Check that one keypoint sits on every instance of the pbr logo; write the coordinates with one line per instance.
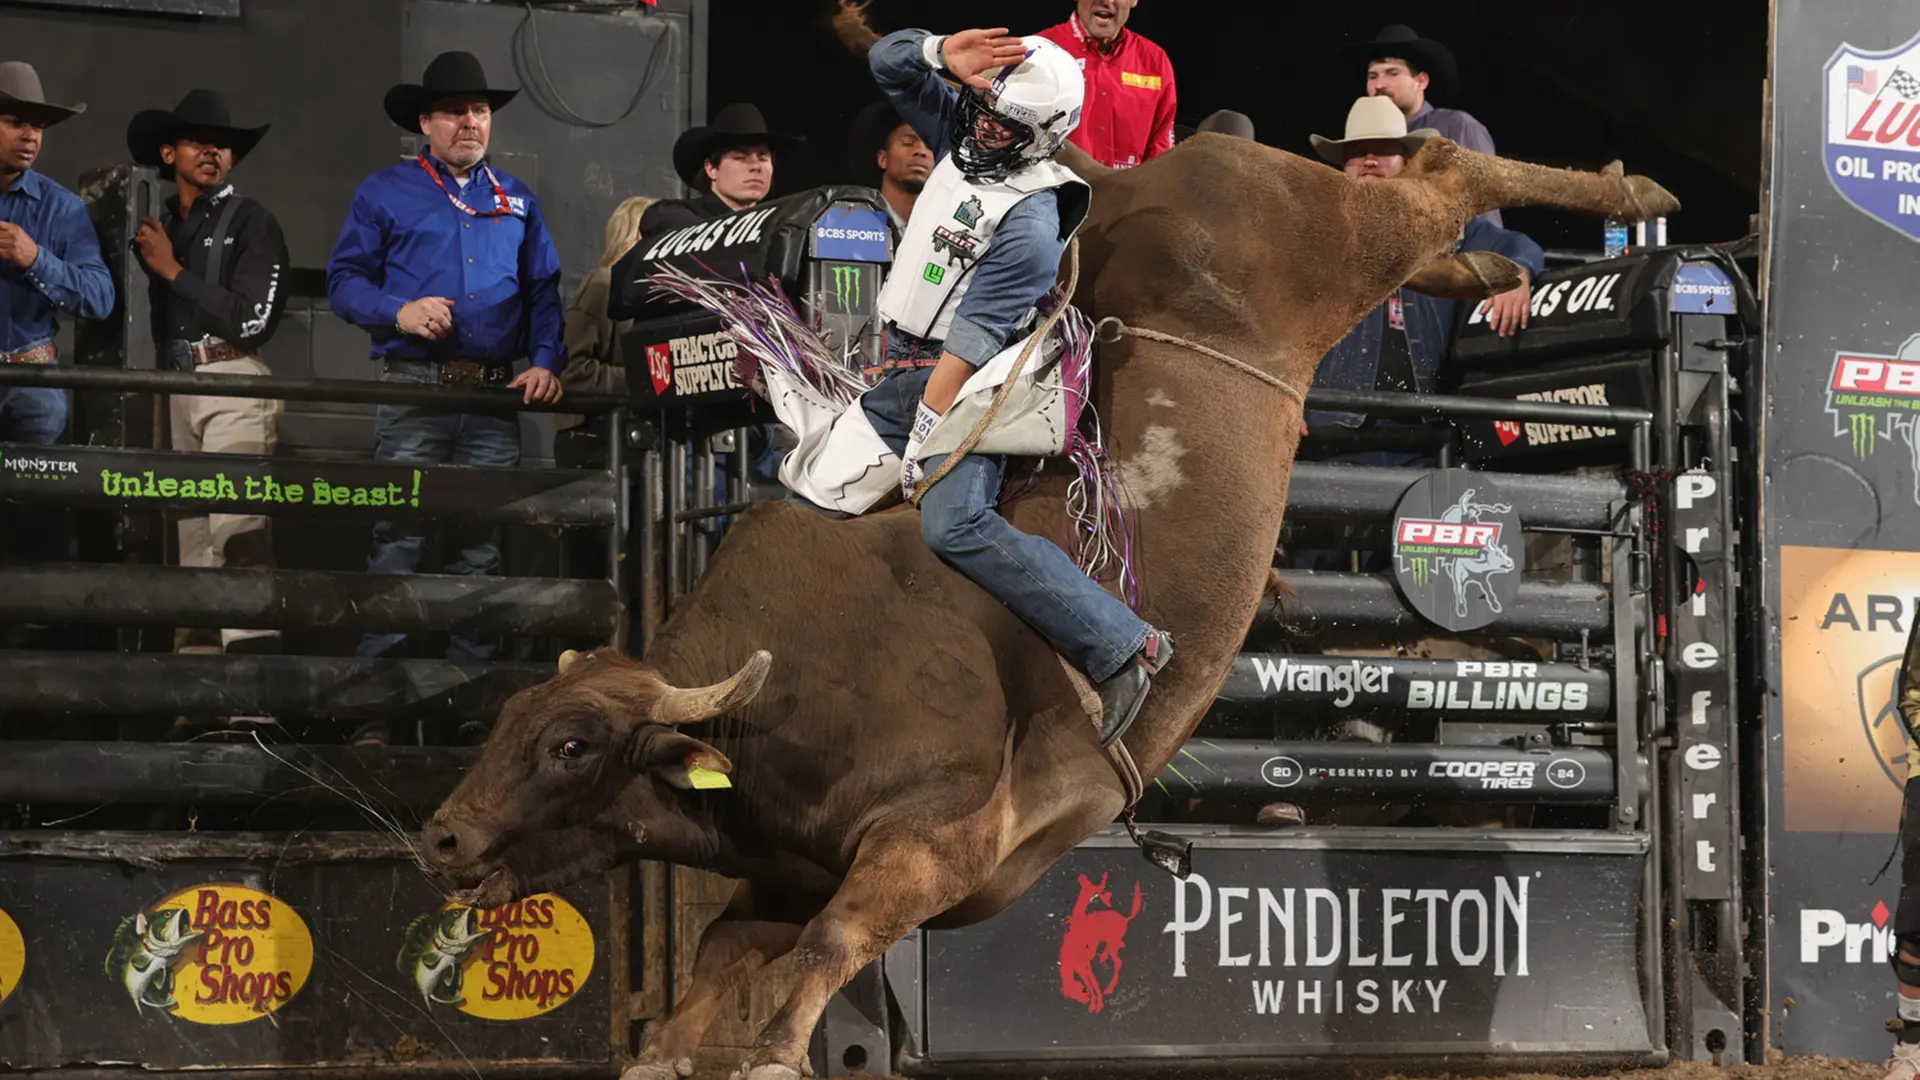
(1872, 103)
(1457, 550)
(1094, 936)
(1875, 398)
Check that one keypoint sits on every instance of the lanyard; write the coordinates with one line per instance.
(500, 206)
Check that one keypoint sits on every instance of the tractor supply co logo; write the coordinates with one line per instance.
(1874, 399)
(1827, 936)
(513, 962)
(13, 956)
(1446, 931)
(1537, 434)
(1845, 754)
(742, 228)
(854, 233)
(14, 466)
(696, 364)
(1872, 105)
(1457, 549)
(212, 954)
(1090, 946)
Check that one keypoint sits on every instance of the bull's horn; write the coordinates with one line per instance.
(567, 658)
(679, 706)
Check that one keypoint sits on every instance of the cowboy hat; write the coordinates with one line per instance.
(21, 96)
(738, 124)
(1372, 119)
(1443, 72)
(450, 75)
(199, 111)
(1228, 122)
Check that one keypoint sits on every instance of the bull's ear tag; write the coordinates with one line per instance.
(701, 777)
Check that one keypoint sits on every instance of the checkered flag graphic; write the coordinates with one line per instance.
(1900, 82)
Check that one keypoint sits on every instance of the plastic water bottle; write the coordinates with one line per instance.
(1616, 242)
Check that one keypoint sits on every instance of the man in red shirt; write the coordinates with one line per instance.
(1128, 117)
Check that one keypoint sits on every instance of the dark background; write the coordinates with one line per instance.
(1674, 90)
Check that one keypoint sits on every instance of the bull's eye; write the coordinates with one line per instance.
(570, 750)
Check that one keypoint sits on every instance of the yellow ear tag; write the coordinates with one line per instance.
(702, 778)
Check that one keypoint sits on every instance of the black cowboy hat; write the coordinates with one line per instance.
(1424, 53)
(199, 111)
(21, 96)
(738, 124)
(450, 75)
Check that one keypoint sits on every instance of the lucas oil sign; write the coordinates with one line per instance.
(212, 954)
(504, 963)
(1872, 104)
(1457, 551)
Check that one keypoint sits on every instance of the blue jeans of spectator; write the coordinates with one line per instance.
(419, 436)
(1033, 577)
(36, 415)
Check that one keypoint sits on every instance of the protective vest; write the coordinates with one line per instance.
(951, 228)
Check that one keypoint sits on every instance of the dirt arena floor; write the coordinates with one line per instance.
(1800, 1068)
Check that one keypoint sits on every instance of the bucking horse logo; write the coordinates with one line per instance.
(1094, 936)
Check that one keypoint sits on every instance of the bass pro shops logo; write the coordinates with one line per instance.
(1872, 152)
(1093, 940)
(1875, 398)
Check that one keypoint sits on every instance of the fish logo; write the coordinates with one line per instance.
(145, 949)
(431, 956)
(1094, 937)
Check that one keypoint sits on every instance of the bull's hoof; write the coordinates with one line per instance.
(677, 1069)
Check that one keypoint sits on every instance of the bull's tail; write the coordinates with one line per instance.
(850, 23)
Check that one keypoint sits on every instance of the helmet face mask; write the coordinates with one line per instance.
(1023, 118)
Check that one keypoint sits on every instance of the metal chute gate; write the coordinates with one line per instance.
(1520, 840)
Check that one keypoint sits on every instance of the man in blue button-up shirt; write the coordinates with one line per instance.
(447, 262)
(49, 257)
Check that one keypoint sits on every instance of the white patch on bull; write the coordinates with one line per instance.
(1160, 399)
(1154, 472)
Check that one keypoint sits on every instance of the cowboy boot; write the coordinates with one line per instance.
(1123, 692)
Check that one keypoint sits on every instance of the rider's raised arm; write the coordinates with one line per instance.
(906, 64)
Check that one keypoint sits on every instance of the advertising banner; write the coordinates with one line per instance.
(1841, 506)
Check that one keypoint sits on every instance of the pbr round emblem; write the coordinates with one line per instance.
(1457, 552)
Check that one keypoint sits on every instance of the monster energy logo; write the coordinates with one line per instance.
(1422, 572)
(1862, 426)
(846, 287)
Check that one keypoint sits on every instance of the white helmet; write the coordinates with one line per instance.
(1039, 99)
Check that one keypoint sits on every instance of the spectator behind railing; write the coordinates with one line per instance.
(1410, 70)
(1130, 94)
(468, 243)
(49, 261)
(592, 339)
(883, 140)
(213, 281)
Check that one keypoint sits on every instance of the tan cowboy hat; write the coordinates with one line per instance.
(21, 96)
(1228, 122)
(1372, 119)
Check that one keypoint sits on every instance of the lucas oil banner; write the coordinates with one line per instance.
(1841, 464)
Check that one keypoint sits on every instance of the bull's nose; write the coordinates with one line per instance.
(440, 842)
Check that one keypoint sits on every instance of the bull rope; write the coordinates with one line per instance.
(1112, 323)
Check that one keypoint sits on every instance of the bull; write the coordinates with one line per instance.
(902, 751)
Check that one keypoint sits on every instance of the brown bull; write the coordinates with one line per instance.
(916, 756)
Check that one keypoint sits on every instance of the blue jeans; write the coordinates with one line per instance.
(1033, 577)
(419, 436)
(36, 415)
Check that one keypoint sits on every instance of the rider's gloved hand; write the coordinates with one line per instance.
(923, 421)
